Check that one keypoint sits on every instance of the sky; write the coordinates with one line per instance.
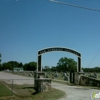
(27, 26)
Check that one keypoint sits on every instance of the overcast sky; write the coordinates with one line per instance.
(27, 26)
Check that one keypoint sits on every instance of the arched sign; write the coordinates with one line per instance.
(40, 52)
(59, 49)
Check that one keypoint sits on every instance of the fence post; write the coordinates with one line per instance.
(12, 86)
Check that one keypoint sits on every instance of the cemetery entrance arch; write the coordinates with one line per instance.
(58, 49)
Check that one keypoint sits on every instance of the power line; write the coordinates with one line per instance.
(82, 7)
(73, 5)
(94, 57)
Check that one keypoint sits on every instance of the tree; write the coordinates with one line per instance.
(46, 68)
(72, 65)
(10, 65)
(20, 65)
(53, 68)
(31, 66)
(6, 66)
(0, 67)
(94, 69)
(66, 64)
(14, 63)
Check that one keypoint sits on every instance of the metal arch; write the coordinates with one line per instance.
(40, 52)
(59, 49)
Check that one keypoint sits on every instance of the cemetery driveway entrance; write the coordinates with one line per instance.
(72, 92)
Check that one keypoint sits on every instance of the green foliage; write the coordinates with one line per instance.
(53, 68)
(46, 68)
(0, 67)
(7, 66)
(66, 64)
(4, 91)
(95, 69)
(10, 65)
(31, 66)
(14, 63)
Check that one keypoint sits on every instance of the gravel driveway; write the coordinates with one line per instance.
(72, 92)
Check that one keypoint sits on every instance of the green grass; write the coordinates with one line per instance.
(4, 91)
(53, 94)
(58, 78)
(26, 92)
(23, 90)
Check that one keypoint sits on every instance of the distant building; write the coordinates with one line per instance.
(18, 69)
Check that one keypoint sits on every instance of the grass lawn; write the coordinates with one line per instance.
(54, 94)
(4, 91)
(25, 92)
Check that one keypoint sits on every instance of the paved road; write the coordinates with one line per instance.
(17, 78)
(72, 92)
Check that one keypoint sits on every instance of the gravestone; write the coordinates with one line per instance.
(47, 76)
(30, 74)
(56, 75)
(64, 74)
(52, 75)
(95, 75)
(66, 78)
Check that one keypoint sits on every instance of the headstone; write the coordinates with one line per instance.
(56, 75)
(44, 74)
(62, 74)
(30, 74)
(95, 75)
(47, 76)
(49, 72)
(52, 77)
(65, 74)
(66, 78)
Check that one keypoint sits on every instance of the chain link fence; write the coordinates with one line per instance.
(22, 87)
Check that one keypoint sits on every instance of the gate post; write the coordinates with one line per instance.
(79, 65)
(72, 77)
(39, 63)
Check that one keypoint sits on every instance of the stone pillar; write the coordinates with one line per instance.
(41, 84)
(39, 63)
(79, 65)
(78, 77)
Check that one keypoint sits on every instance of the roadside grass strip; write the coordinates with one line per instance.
(4, 91)
(27, 92)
